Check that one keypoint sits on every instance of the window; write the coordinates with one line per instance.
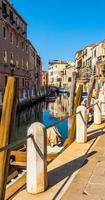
(23, 82)
(22, 64)
(17, 61)
(5, 56)
(22, 45)
(16, 21)
(11, 16)
(4, 33)
(17, 41)
(4, 10)
(11, 37)
(27, 48)
(11, 58)
(95, 53)
(27, 65)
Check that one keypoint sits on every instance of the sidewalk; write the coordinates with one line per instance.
(89, 184)
(68, 180)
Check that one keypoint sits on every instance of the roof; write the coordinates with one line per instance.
(29, 42)
(90, 45)
(16, 12)
(51, 62)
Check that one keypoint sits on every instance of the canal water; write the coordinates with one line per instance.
(45, 112)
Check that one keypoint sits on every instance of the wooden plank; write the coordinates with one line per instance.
(12, 189)
(19, 156)
(6, 127)
(71, 133)
(12, 175)
(18, 164)
(97, 89)
(92, 84)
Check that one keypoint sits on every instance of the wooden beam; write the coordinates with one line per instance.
(6, 128)
(12, 189)
(71, 133)
(72, 92)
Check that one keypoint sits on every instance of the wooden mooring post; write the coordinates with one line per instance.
(71, 133)
(72, 91)
(6, 128)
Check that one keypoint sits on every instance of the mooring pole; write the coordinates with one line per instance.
(36, 159)
(6, 127)
(72, 92)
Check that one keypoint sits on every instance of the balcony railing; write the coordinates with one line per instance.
(5, 15)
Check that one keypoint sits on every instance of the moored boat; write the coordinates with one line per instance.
(62, 90)
(51, 96)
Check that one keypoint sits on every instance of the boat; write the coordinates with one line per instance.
(51, 96)
(53, 89)
(62, 90)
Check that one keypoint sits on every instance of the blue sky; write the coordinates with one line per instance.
(58, 28)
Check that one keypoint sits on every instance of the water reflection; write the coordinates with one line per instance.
(44, 112)
(60, 107)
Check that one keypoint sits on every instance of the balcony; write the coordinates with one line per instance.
(4, 10)
(5, 15)
(101, 58)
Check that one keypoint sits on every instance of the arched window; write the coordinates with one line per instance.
(11, 58)
(27, 66)
(5, 56)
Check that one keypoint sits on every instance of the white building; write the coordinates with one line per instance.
(60, 73)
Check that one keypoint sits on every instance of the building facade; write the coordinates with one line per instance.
(59, 73)
(44, 78)
(91, 61)
(18, 57)
(83, 59)
(98, 58)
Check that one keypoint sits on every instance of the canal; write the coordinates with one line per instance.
(46, 113)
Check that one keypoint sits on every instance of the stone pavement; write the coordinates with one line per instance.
(68, 179)
(89, 183)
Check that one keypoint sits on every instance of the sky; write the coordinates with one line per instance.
(58, 28)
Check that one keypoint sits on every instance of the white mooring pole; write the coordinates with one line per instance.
(81, 124)
(36, 159)
(97, 112)
(103, 104)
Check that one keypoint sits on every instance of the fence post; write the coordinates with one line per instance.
(36, 159)
(97, 112)
(81, 124)
(103, 104)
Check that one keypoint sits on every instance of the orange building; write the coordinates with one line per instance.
(44, 78)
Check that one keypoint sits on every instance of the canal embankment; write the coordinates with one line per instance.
(66, 167)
